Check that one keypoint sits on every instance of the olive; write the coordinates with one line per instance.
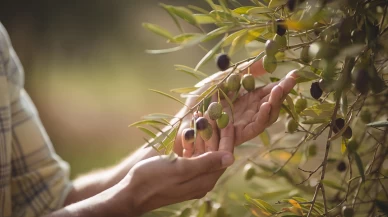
(341, 167)
(189, 135)
(201, 123)
(281, 27)
(271, 47)
(316, 91)
(292, 125)
(361, 79)
(223, 62)
(269, 63)
(304, 54)
(347, 211)
(280, 40)
(207, 133)
(291, 4)
(312, 150)
(352, 145)
(233, 82)
(348, 133)
(248, 82)
(250, 172)
(300, 105)
(223, 121)
(214, 110)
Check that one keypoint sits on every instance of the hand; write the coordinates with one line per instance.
(253, 112)
(158, 181)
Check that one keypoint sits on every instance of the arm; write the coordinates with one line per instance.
(156, 182)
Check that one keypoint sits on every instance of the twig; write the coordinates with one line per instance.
(324, 162)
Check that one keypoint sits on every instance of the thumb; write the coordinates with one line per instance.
(209, 162)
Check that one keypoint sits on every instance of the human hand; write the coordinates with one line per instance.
(253, 112)
(158, 181)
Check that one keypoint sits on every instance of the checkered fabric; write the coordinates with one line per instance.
(33, 179)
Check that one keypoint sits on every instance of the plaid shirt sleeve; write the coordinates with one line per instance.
(33, 180)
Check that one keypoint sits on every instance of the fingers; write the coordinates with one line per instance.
(275, 101)
(188, 147)
(227, 138)
(205, 163)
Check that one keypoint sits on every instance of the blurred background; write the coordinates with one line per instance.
(88, 74)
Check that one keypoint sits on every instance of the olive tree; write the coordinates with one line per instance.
(337, 113)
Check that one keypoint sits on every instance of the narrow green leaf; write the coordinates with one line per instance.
(202, 210)
(149, 122)
(215, 33)
(158, 116)
(185, 37)
(170, 12)
(261, 204)
(198, 9)
(147, 131)
(185, 213)
(276, 3)
(315, 121)
(243, 10)
(184, 14)
(292, 108)
(210, 91)
(167, 95)
(265, 138)
(184, 90)
(237, 44)
(190, 71)
(333, 185)
(304, 76)
(204, 19)
(192, 42)
(210, 54)
(378, 124)
(343, 145)
(229, 103)
(260, 10)
(158, 30)
(258, 57)
(323, 110)
(273, 79)
(359, 165)
(228, 41)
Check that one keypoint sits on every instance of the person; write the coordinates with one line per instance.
(34, 180)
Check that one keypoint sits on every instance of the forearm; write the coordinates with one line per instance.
(91, 184)
(111, 202)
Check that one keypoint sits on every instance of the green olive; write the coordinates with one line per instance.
(300, 105)
(214, 110)
(248, 82)
(233, 82)
(223, 121)
(269, 63)
(292, 125)
(280, 40)
(271, 47)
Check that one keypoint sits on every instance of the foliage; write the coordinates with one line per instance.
(340, 49)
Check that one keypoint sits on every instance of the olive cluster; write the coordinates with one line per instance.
(279, 41)
(214, 109)
(300, 105)
(348, 32)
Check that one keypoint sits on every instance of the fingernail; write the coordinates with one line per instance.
(227, 160)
